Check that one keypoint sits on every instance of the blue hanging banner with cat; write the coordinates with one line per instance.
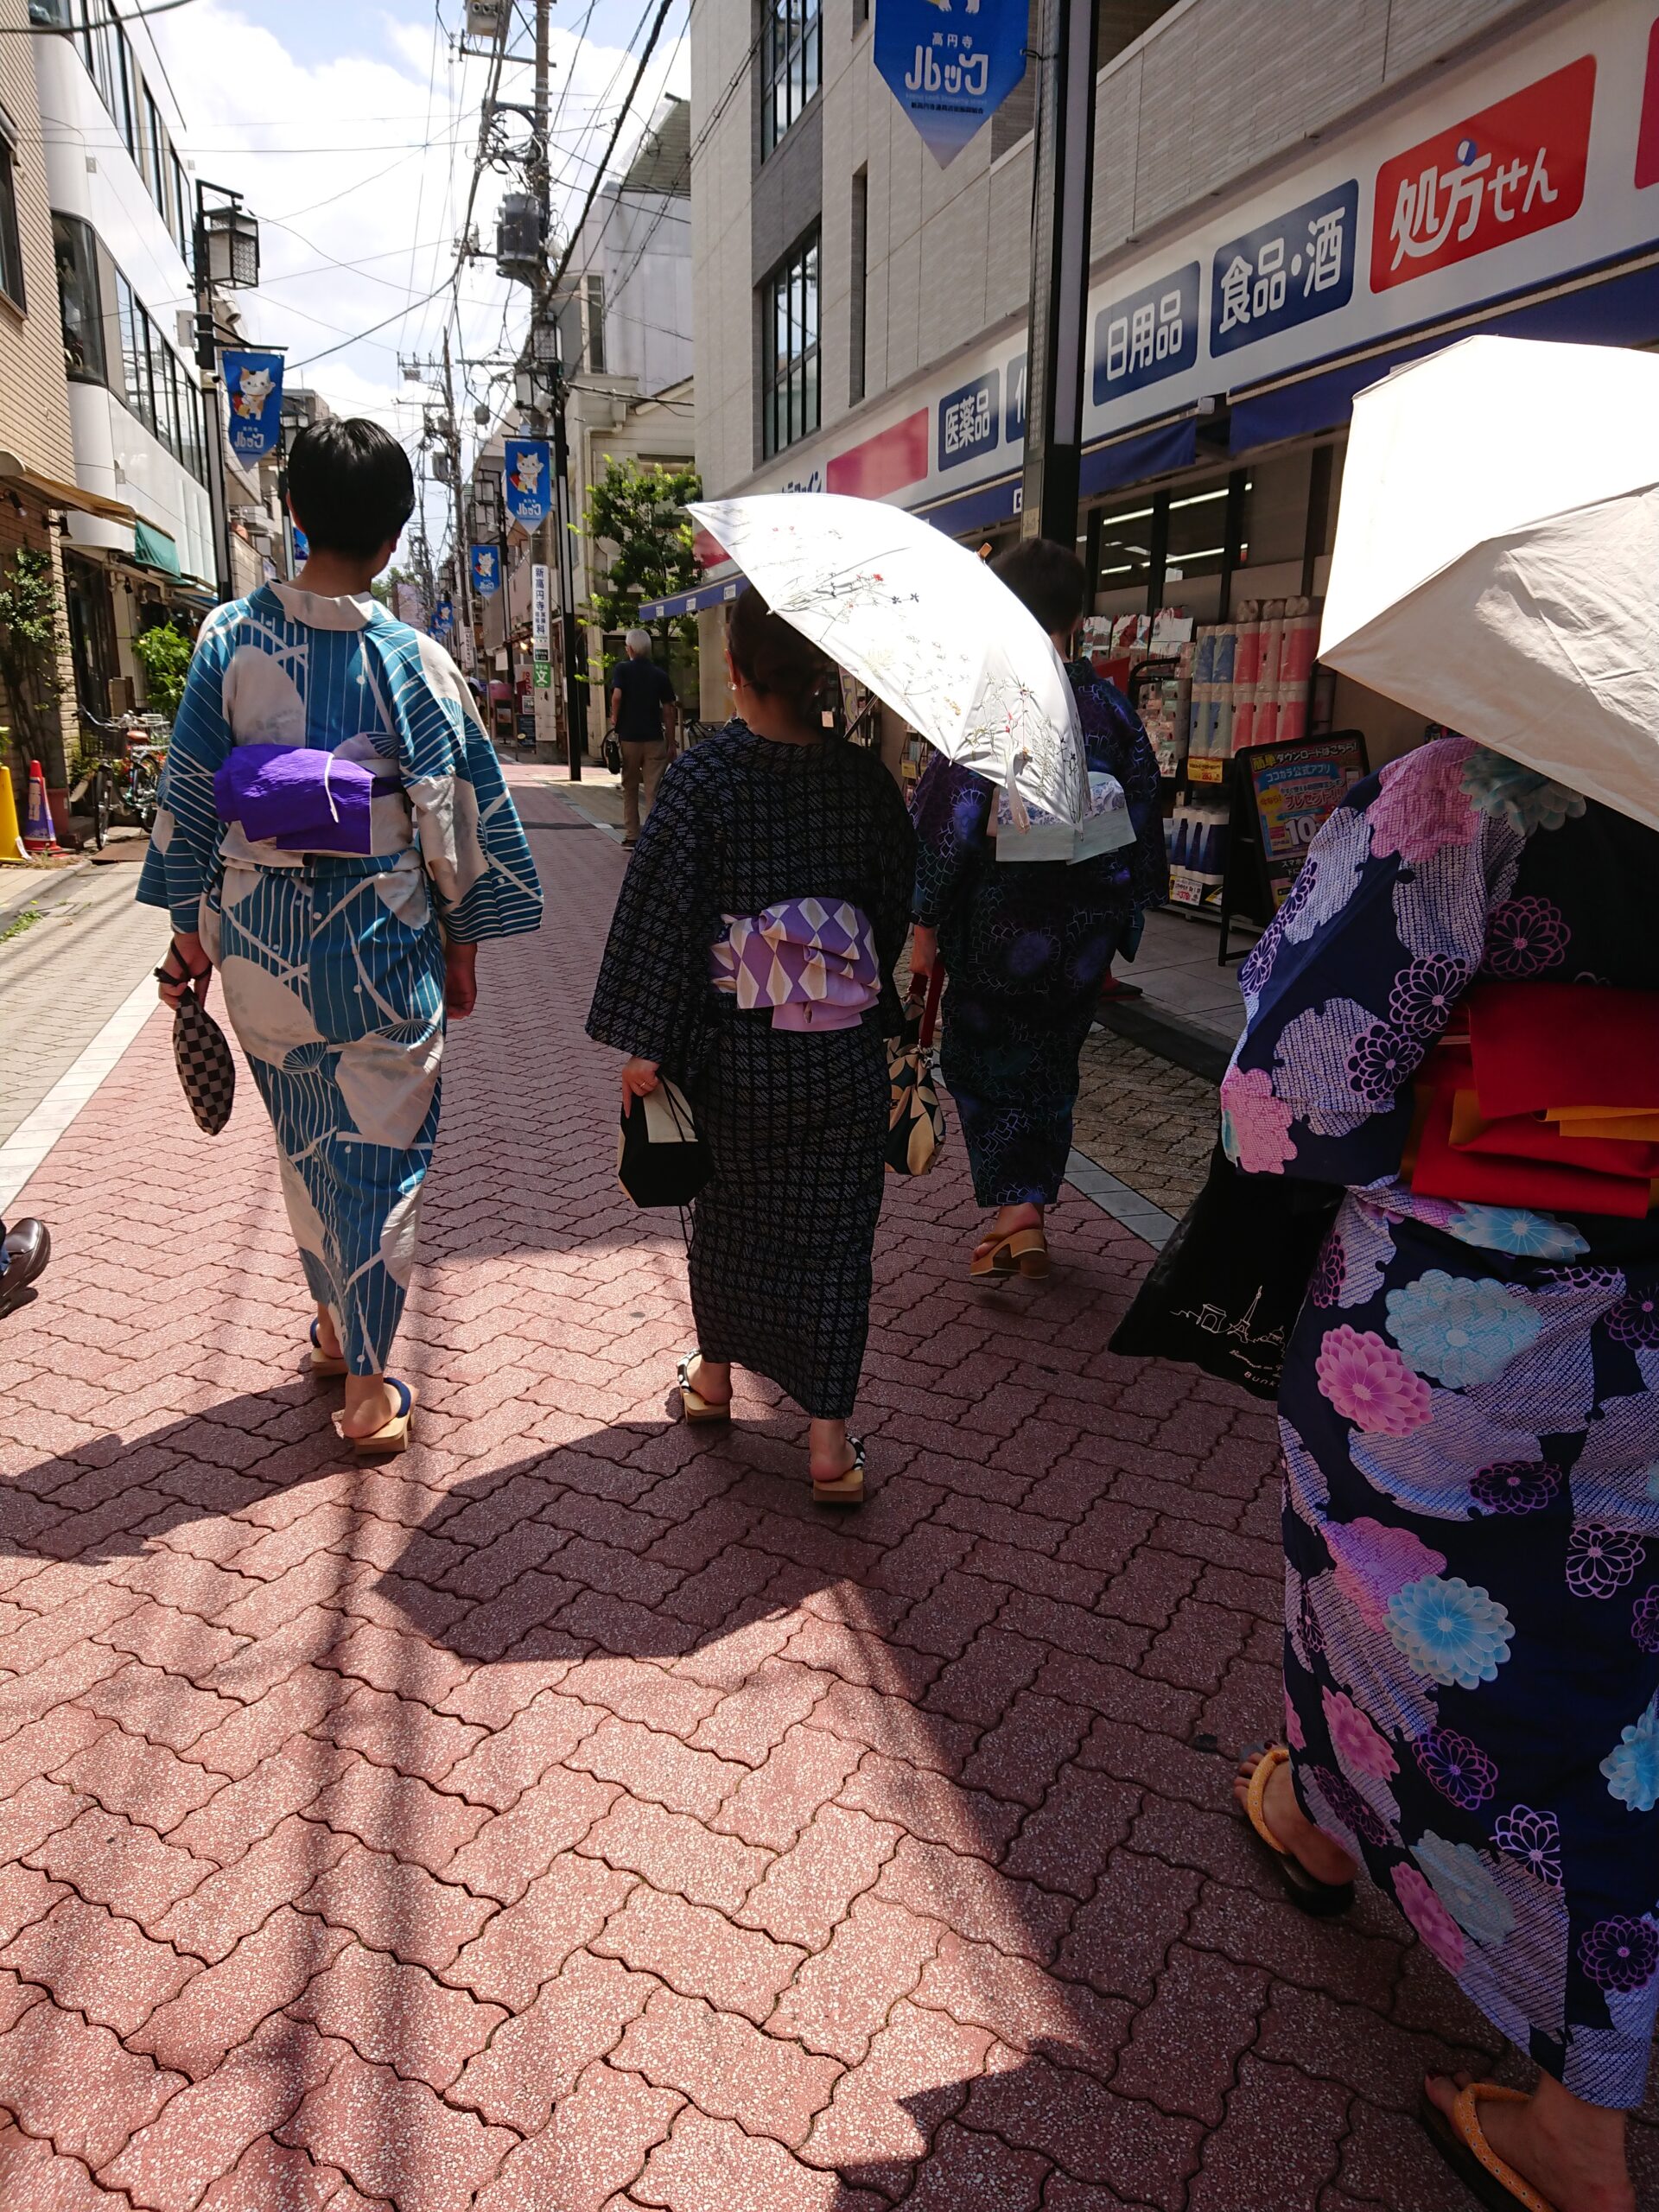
(253, 384)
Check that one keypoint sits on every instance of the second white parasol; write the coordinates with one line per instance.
(1497, 561)
(924, 623)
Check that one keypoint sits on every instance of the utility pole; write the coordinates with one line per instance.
(452, 447)
(553, 537)
(1062, 218)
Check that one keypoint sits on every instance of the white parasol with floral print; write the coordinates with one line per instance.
(1497, 561)
(924, 623)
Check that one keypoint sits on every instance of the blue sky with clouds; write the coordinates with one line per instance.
(351, 129)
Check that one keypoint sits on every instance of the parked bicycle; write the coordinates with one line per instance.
(130, 782)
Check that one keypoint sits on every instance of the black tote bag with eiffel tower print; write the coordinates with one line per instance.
(1225, 1291)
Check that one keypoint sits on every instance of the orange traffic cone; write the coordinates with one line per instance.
(38, 836)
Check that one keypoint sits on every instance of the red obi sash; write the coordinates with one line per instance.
(1549, 1099)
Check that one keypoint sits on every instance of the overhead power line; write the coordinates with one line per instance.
(616, 132)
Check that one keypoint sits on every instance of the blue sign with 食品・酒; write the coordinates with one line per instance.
(486, 571)
(1149, 335)
(970, 420)
(949, 64)
(1285, 272)
(527, 470)
(253, 384)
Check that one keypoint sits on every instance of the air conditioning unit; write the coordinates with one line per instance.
(518, 238)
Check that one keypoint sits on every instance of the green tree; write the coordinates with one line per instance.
(640, 536)
(31, 647)
(164, 656)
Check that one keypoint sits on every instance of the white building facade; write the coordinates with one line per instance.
(123, 208)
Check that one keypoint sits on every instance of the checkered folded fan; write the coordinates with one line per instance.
(204, 1065)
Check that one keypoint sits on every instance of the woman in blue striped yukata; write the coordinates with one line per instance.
(335, 837)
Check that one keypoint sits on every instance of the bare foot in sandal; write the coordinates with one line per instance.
(1313, 1850)
(1569, 2153)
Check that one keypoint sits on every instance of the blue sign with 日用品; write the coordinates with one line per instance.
(1147, 335)
(253, 385)
(1285, 272)
(970, 420)
(949, 64)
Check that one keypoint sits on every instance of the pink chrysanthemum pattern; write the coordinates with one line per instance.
(1368, 1383)
(1430, 1917)
(1422, 806)
(1255, 1125)
(1358, 1745)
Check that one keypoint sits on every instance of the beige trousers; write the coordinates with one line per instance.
(641, 763)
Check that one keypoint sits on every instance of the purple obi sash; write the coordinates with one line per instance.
(299, 798)
(811, 961)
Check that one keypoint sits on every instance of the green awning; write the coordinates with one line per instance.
(153, 548)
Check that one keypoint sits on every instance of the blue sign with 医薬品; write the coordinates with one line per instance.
(1285, 272)
(253, 385)
(970, 420)
(1150, 334)
(949, 64)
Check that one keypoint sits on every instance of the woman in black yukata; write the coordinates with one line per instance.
(750, 960)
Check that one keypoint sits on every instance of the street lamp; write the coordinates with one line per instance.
(232, 237)
(227, 258)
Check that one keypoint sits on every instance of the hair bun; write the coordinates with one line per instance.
(774, 659)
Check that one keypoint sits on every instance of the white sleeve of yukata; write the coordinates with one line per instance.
(184, 841)
(472, 845)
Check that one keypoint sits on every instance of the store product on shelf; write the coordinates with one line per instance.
(1250, 681)
(1196, 834)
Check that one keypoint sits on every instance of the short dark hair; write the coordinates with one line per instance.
(774, 659)
(351, 485)
(1048, 578)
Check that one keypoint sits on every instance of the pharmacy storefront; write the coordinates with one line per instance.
(1515, 194)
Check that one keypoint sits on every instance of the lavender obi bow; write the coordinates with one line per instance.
(299, 798)
(811, 962)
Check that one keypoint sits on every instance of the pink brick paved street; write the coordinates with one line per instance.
(566, 1817)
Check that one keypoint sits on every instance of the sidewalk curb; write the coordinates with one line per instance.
(1183, 1043)
(43, 894)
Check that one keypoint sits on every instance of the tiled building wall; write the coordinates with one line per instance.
(1213, 90)
(33, 401)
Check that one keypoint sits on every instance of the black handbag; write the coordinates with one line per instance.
(1225, 1291)
(660, 1159)
(206, 1067)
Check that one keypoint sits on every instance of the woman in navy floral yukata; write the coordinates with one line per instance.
(1028, 947)
(1471, 1434)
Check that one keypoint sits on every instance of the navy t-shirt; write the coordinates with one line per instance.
(644, 690)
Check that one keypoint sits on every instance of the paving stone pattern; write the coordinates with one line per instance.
(566, 1818)
(1150, 1124)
